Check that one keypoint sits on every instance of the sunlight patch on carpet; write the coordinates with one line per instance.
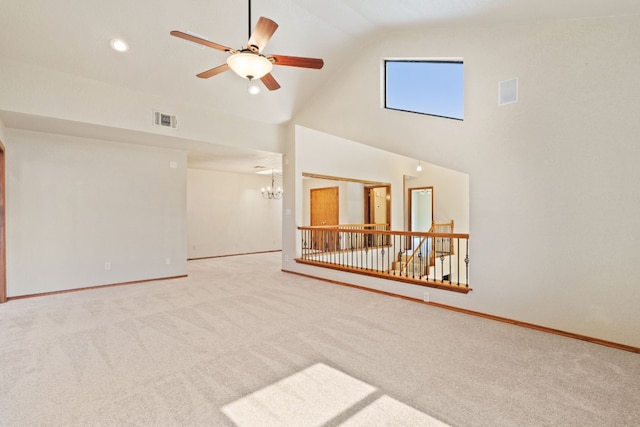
(317, 395)
(390, 412)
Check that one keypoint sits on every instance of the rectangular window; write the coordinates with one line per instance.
(433, 87)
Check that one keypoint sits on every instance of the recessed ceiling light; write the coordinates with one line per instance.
(119, 45)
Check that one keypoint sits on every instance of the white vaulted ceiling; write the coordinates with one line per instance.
(72, 36)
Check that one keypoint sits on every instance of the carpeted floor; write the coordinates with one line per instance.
(240, 343)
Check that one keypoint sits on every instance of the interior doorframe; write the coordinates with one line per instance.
(3, 234)
(368, 190)
(411, 207)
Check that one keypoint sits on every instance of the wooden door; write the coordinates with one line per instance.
(325, 210)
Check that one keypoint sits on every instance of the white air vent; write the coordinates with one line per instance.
(508, 91)
(165, 120)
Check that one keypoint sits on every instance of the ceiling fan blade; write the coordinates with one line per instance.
(297, 61)
(262, 34)
(213, 72)
(198, 40)
(270, 82)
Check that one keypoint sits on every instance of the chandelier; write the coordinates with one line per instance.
(271, 192)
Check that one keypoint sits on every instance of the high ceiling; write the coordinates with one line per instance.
(72, 36)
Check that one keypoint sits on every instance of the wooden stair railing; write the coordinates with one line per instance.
(444, 243)
(444, 227)
(389, 256)
(408, 261)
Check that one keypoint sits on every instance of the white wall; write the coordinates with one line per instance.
(355, 198)
(552, 178)
(322, 154)
(226, 214)
(451, 198)
(74, 204)
(42, 92)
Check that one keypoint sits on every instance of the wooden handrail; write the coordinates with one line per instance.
(436, 225)
(342, 226)
(389, 232)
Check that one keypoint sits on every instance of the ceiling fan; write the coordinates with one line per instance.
(249, 62)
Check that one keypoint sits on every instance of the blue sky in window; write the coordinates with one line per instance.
(435, 88)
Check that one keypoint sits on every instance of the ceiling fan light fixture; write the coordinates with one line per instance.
(253, 87)
(249, 65)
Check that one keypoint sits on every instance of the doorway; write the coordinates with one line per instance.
(377, 210)
(420, 215)
(420, 209)
(3, 234)
(377, 204)
(325, 210)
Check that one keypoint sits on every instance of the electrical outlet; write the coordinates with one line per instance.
(425, 297)
(286, 258)
(167, 261)
(107, 265)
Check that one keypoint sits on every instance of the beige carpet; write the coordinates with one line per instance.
(241, 343)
